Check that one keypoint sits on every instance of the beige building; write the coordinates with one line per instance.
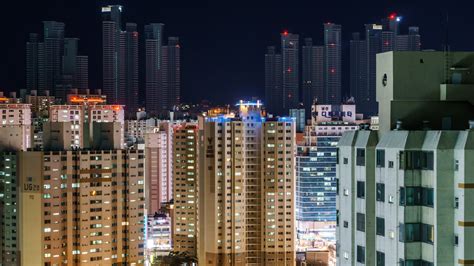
(82, 117)
(185, 188)
(15, 126)
(80, 207)
(246, 189)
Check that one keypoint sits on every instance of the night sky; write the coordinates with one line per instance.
(223, 46)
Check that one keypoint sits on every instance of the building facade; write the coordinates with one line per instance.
(246, 189)
(402, 189)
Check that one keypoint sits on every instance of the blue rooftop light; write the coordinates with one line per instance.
(249, 103)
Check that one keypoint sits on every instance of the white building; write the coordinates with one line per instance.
(404, 191)
(15, 126)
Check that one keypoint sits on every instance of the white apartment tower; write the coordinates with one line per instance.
(404, 191)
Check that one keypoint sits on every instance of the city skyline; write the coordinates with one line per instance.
(207, 67)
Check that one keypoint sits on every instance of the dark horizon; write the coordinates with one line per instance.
(222, 48)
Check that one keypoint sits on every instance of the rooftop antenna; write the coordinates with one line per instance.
(447, 52)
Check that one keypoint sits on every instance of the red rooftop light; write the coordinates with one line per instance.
(392, 16)
(285, 32)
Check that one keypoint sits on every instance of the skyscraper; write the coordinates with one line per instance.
(53, 53)
(53, 64)
(379, 38)
(332, 64)
(74, 70)
(153, 51)
(312, 74)
(129, 66)
(290, 71)
(34, 63)
(170, 90)
(111, 31)
(273, 81)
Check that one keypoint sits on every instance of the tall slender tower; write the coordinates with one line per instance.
(332, 63)
(273, 81)
(153, 47)
(34, 62)
(312, 74)
(170, 90)
(111, 31)
(53, 52)
(129, 66)
(290, 65)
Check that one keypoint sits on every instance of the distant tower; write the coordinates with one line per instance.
(273, 81)
(129, 66)
(290, 64)
(111, 30)
(332, 63)
(53, 52)
(34, 62)
(170, 90)
(312, 74)
(379, 38)
(120, 60)
(153, 47)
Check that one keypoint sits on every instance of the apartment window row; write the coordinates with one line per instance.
(416, 160)
(416, 232)
(416, 196)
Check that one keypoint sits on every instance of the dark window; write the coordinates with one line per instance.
(346, 224)
(380, 258)
(427, 233)
(361, 222)
(361, 189)
(402, 196)
(360, 159)
(360, 254)
(380, 226)
(380, 158)
(346, 161)
(456, 240)
(390, 164)
(381, 192)
(417, 160)
(401, 232)
(413, 196)
(412, 233)
(427, 196)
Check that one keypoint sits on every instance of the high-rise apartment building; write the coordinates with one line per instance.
(379, 38)
(403, 190)
(246, 189)
(185, 189)
(68, 205)
(15, 126)
(312, 74)
(332, 64)
(273, 81)
(153, 51)
(290, 72)
(159, 166)
(82, 119)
